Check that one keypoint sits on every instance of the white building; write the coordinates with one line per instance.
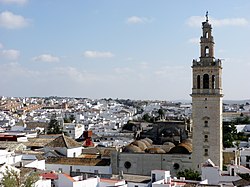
(31, 161)
(245, 157)
(65, 180)
(79, 165)
(43, 183)
(63, 146)
(215, 176)
(74, 130)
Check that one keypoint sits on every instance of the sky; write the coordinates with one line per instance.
(126, 49)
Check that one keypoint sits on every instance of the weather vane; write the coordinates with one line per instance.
(207, 16)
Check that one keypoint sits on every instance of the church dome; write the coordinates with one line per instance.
(140, 144)
(167, 146)
(155, 150)
(146, 142)
(132, 149)
(182, 148)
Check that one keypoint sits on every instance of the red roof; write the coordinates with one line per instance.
(50, 175)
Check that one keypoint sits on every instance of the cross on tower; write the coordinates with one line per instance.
(207, 16)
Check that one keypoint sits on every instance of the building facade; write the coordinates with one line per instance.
(207, 102)
(143, 163)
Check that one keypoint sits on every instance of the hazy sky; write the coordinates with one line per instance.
(136, 49)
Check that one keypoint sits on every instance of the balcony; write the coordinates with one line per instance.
(207, 91)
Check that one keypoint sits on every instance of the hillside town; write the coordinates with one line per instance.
(60, 141)
(94, 134)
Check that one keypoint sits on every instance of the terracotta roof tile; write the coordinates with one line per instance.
(63, 141)
(50, 175)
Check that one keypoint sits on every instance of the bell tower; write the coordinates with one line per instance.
(207, 102)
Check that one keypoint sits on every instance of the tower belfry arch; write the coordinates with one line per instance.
(207, 102)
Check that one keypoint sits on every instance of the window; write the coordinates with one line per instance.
(127, 164)
(176, 166)
(232, 172)
(207, 51)
(206, 138)
(74, 154)
(205, 81)
(206, 34)
(78, 170)
(153, 177)
(213, 82)
(206, 123)
(198, 82)
(205, 152)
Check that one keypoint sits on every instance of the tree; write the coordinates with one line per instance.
(54, 127)
(66, 120)
(31, 179)
(189, 174)
(246, 120)
(161, 113)
(72, 118)
(245, 176)
(241, 120)
(146, 117)
(228, 140)
(13, 178)
(229, 134)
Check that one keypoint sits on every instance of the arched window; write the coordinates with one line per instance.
(206, 34)
(205, 81)
(213, 82)
(206, 138)
(206, 51)
(198, 82)
(206, 123)
(205, 152)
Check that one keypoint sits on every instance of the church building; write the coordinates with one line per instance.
(141, 156)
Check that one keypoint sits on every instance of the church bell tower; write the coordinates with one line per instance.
(207, 102)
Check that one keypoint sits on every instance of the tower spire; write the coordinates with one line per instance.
(207, 16)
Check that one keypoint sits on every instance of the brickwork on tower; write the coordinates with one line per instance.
(207, 102)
